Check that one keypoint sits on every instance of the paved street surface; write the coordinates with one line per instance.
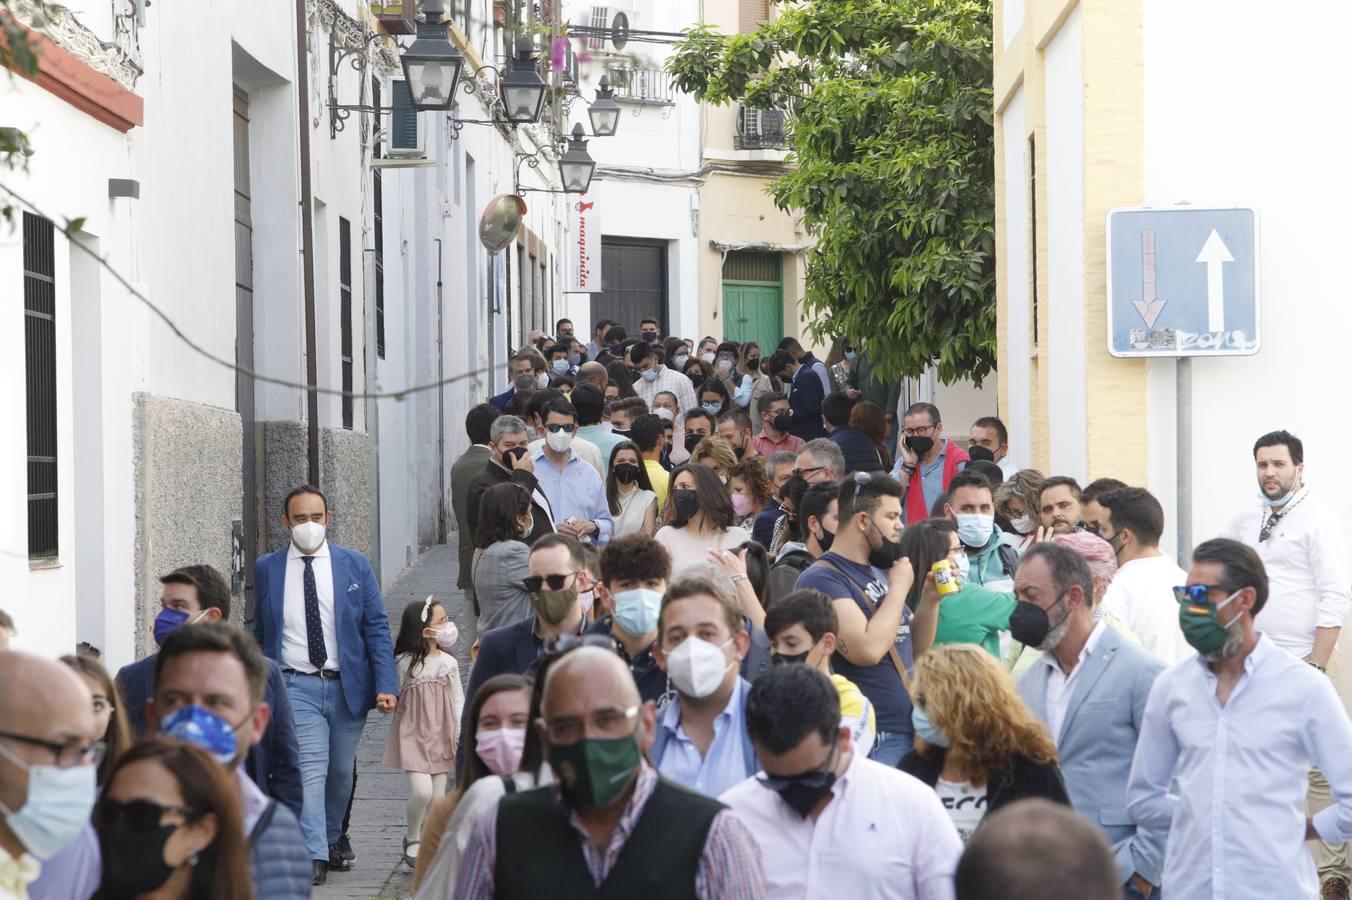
(378, 813)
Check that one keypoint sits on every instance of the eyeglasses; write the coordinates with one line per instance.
(556, 582)
(1196, 593)
(610, 723)
(67, 755)
(1092, 528)
(804, 473)
(557, 427)
(921, 431)
(140, 816)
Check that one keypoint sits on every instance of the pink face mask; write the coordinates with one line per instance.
(741, 504)
(500, 749)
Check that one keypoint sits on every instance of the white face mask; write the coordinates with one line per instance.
(680, 359)
(708, 358)
(1023, 525)
(307, 536)
(542, 380)
(57, 807)
(558, 441)
(697, 667)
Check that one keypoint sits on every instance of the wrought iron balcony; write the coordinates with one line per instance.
(642, 85)
(760, 129)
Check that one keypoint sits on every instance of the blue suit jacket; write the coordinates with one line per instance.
(273, 763)
(365, 651)
(805, 405)
(1097, 742)
(859, 452)
(501, 400)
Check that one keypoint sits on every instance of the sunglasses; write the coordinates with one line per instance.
(556, 582)
(1197, 594)
(1270, 524)
(803, 473)
(140, 816)
(557, 427)
(563, 643)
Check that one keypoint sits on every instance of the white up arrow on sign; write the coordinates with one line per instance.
(1215, 254)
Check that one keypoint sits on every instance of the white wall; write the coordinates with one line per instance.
(1015, 337)
(1063, 339)
(1219, 128)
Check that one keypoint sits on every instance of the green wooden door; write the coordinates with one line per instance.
(753, 299)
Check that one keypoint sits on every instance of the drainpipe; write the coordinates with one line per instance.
(307, 241)
(441, 408)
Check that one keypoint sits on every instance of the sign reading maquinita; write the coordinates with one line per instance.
(584, 253)
(1183, 281)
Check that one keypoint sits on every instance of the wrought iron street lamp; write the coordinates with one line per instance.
(605, 112)
(431, 63)
(576, 165)
(522, 89)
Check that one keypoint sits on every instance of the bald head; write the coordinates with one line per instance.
(587, 679)
(1035, 849)
(592, 373)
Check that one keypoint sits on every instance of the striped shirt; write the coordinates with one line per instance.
(729, 868)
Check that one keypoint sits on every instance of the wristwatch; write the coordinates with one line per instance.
(1316, 665)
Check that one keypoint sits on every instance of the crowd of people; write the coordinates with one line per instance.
(745, 627)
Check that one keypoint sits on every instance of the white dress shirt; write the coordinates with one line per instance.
(1008, 467)
(1237, 823)
(1309, 579)
(884, 835)
(295, 643)
(671, 381)
(1060, 685)
(1141, 596)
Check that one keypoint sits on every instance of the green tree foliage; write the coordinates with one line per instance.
(889, 106)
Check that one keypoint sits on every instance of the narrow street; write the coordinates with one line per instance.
(378, 812)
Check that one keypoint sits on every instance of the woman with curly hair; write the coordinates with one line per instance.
(977, 744)
(1016, 509)
(751, 490)
(715, 453)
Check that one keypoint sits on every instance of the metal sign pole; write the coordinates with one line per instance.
(1183, 442)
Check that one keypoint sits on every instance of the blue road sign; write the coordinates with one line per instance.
(1183, 281)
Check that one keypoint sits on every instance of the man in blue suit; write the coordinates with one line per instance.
(320, 615)
(197, 594)
(1090, 688)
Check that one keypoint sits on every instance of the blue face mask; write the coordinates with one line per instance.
(202, 728)
(850, 355)
(575, 359)
(964, 567)
(1277, 501)
(650, 375)
(636, 610)
(712, 409)
(168, 619)
(974, 529)
(925, 730)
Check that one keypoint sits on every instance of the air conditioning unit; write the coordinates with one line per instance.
(759, 129)
(609, 29)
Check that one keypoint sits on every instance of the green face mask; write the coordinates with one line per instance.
(595, 771)
(554, 606)
(1203, 629)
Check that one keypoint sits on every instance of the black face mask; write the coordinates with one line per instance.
(684, 504)
(517, 452)
(739, 452)
(885, 554)
(696, 378)
(825, 539)
(802, 792)
(920, 445)
(789, 659)
(623, 432)
(781, 421)
(976, 452)
(626, 473)
(1030, 624)
(133, 861)
(649, 336)
(692, 441)
(753, 364)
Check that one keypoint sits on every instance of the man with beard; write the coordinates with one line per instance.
(1303, 546)
(1227, 740)
(926, 461)
(867, 578)
(1059, 504)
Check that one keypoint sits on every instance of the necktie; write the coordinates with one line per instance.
(314, 631)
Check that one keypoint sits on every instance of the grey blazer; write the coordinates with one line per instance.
(1097, 741)
(499, 573)
(463, 471)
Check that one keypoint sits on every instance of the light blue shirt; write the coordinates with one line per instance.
(747, 386)
(1237, 824)
(575, 492)
(931, 476)
(725, 763)
(604, 439)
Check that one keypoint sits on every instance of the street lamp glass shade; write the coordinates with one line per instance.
(432, 67)
(576, 166)
(605, 112)
(522, 90)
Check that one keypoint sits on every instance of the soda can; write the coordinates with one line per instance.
(945, 579)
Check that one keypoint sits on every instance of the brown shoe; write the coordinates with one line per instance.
(1333, 889)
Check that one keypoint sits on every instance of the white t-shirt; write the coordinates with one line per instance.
(1141, 597)
(965, 805)
(688, 549)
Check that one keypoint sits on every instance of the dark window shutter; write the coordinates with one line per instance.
(750, 13)
(404, 119)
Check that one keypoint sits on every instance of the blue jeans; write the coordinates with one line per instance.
(328, 735)
(891, 746)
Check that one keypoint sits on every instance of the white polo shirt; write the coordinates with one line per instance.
(884, 836)
(1309, 578)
